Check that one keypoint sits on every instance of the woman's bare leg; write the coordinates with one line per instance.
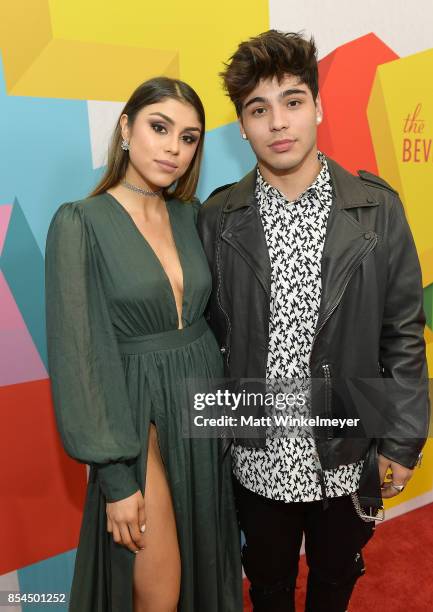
(157, 568)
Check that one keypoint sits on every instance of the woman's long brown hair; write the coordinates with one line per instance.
(150, 92)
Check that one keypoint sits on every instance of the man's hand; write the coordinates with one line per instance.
(399, 475)
(126, 521)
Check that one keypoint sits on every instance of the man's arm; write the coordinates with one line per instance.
(402, 346)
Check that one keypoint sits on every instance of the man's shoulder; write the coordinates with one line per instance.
(219, 195)
(215, 202)
(221, 190)
(362, 185)
(369, 180)
(375, 182)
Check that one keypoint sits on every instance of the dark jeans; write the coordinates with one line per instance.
(273, 533)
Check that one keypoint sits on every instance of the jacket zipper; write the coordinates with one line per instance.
(218, 293)
(328, 398)
(220, 280)
(226, 315)
(379, 367)
(218, 260)
(371, 246)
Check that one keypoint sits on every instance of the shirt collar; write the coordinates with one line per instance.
(321, 183)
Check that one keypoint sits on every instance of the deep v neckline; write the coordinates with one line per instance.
(157, 259)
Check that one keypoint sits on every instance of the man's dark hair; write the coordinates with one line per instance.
(268, 55)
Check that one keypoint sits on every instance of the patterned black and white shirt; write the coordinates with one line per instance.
(286, 469)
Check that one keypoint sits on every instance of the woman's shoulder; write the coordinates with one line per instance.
(81, 209)
(72, 218)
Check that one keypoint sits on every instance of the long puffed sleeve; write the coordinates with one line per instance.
(87, 380)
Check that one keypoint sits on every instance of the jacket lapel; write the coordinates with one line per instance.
(243, 229)
(347, 241)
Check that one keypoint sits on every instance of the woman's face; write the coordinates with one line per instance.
(162, 141)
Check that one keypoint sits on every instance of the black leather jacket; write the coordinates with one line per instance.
(371, 318)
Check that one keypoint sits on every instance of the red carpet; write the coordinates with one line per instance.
(399, 568)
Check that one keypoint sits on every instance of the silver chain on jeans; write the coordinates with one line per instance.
(364, 517)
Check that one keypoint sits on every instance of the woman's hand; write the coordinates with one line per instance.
(126, 520)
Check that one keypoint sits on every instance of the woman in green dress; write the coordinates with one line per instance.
(127, 283)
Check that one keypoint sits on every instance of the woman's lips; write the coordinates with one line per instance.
(166, 165)
(281, 146)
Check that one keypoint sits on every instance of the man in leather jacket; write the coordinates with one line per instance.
(315, 273)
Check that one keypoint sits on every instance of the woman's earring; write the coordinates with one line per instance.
(244, 136)
(319, 119)
(125, 145)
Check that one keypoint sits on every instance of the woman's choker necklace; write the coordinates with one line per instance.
(140, 190)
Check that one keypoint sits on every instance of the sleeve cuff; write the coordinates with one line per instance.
(406, 456)
(117, 480)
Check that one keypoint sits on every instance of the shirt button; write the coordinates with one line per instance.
(368, 235)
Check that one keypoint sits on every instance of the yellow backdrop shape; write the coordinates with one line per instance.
(399, 88)
(101, 50)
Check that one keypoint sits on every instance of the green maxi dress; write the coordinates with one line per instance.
(118, 362)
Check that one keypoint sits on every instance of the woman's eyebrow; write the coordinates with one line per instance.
(169, 120)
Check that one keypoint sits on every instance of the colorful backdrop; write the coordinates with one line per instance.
(65, 68)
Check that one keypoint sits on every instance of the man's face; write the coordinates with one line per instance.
(280, 121)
